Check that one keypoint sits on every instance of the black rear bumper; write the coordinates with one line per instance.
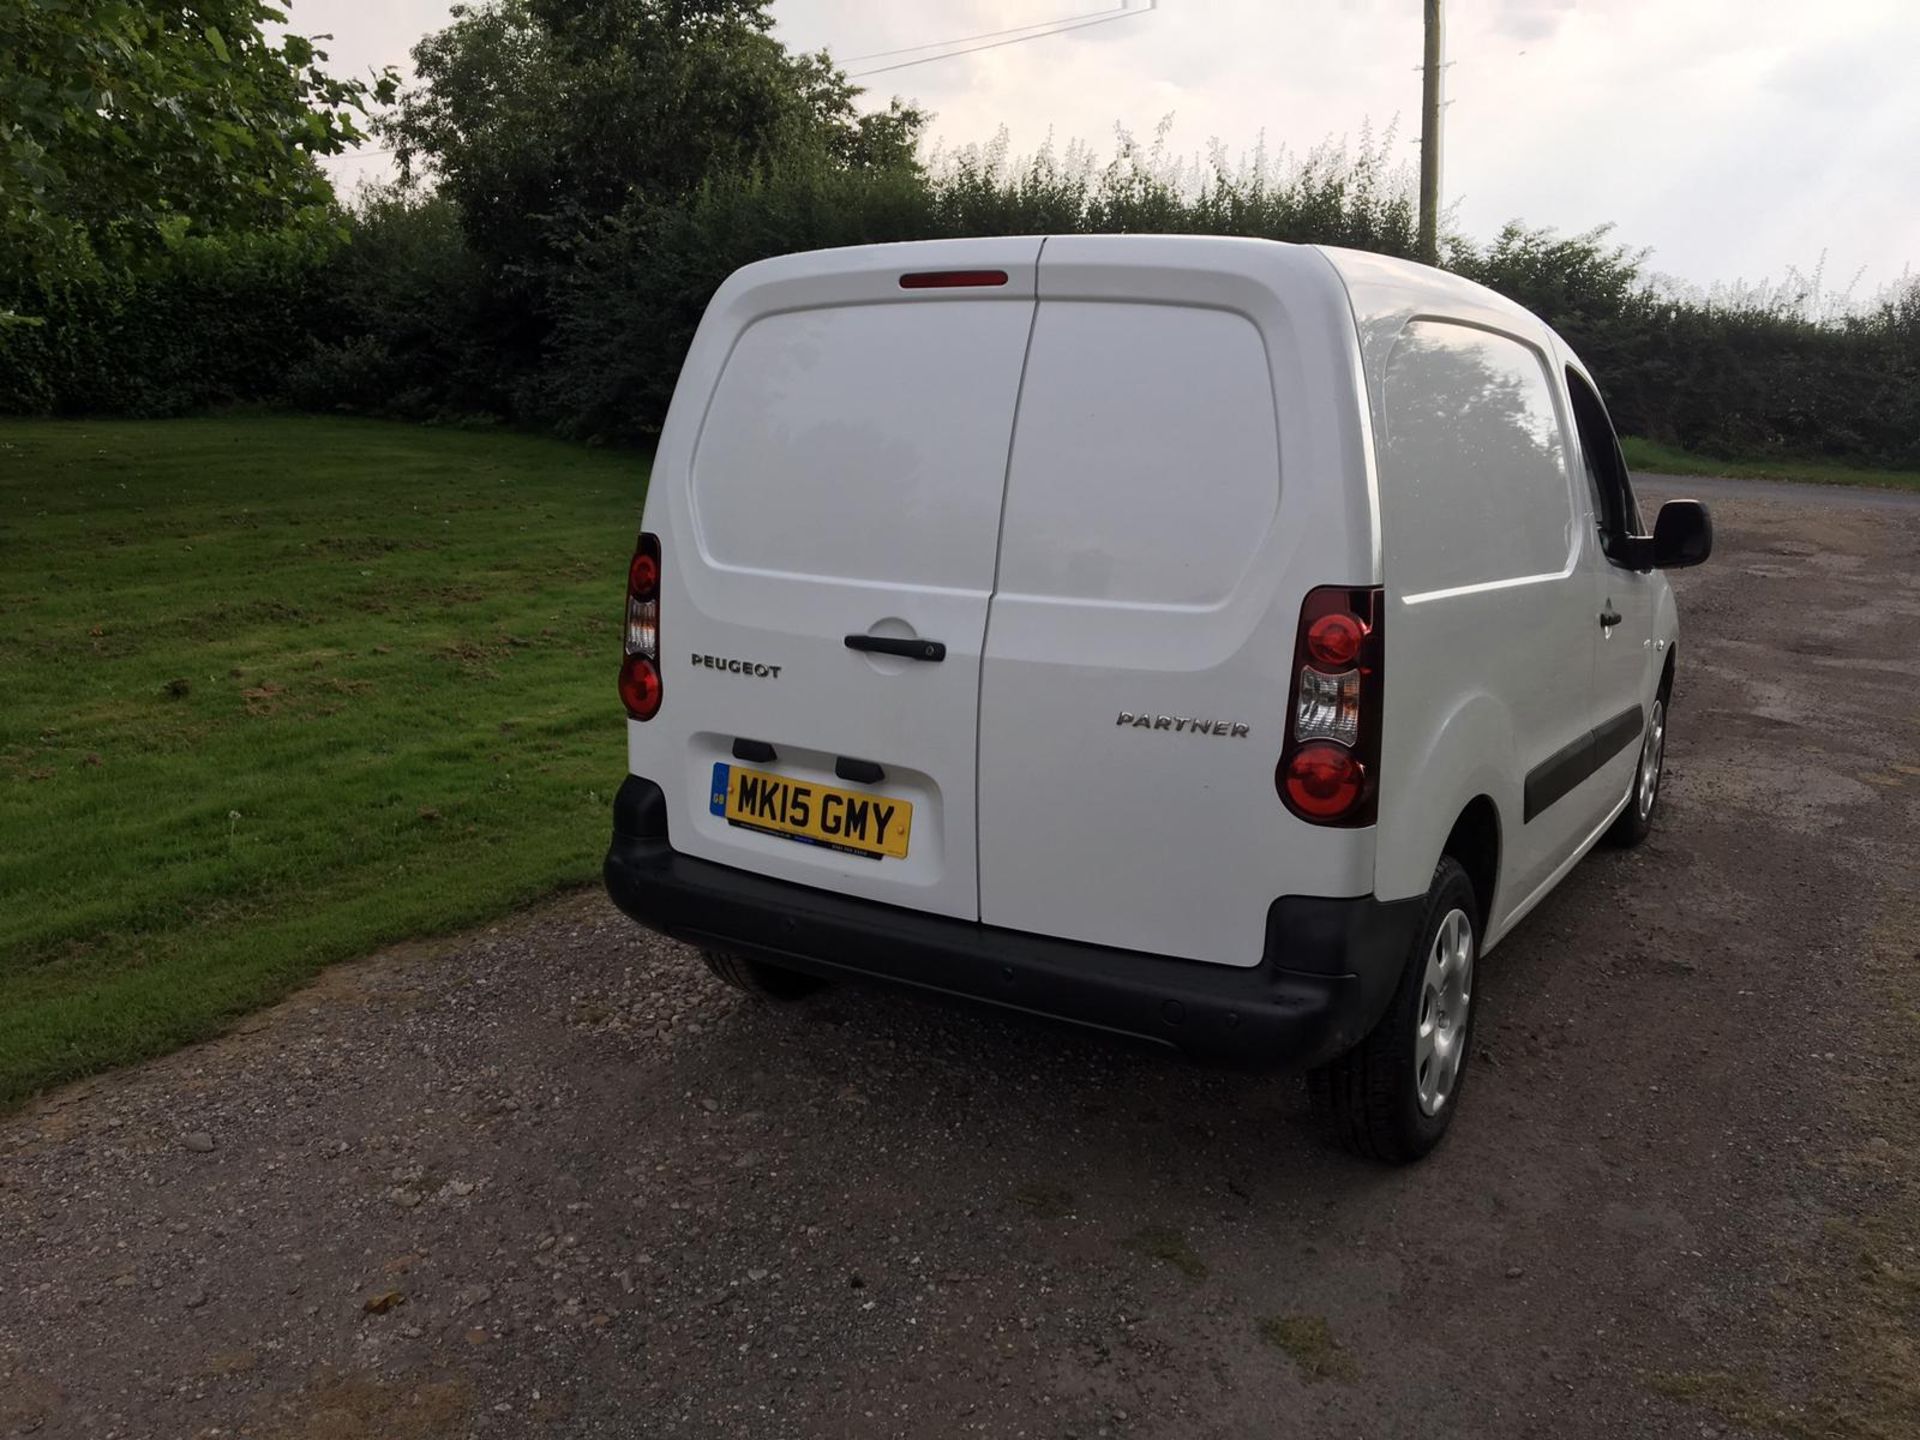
(1329, 968)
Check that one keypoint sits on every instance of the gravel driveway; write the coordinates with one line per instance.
(548, 1179)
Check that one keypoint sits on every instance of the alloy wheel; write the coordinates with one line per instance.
(1446, 997)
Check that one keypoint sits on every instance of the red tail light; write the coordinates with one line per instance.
(1324, 781)
(1329, 769)
(640, 687)
(643, 575)
(1334, 640)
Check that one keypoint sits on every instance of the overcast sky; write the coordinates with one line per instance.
(1737, 138)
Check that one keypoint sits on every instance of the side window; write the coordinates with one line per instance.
(1606, 468)
(1474, 470)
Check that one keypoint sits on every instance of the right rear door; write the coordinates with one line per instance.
(1152, 565)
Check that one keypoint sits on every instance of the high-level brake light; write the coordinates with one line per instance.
(951, 279)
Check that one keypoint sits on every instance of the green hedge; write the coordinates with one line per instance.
(1752, 381)
(206, 322)
(395, 314)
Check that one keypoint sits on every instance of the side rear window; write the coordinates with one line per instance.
(1474, 469)
(1146, 461)
(863, 442)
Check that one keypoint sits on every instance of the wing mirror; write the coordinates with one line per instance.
(1682, 535)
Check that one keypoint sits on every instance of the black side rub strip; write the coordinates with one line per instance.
(1561, 772)
(890, 645)
(1617, 734)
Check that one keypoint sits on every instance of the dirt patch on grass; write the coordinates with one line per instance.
(264, 699)
(475, 659)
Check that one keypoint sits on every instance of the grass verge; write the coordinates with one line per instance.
(1647, 456)
(280, 691)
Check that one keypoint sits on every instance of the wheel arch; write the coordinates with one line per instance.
(1474, 841)
(1464, 756)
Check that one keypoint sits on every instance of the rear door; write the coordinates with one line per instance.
(1152, 565)
(842, 477)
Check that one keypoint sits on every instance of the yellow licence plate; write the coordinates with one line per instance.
(870, 825)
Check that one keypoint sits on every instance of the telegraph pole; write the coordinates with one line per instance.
(1430, 138)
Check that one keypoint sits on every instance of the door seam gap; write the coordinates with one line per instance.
(999, 540)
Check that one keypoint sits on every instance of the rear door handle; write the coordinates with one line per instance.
(890, 645)
(1609, 618)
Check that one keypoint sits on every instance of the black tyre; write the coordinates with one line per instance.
(1635, 822)
(759, 979)
(1393, 1095)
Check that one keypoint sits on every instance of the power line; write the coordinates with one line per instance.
(968, 39)
(1042, 28)
(997, 44)
(1125, 12)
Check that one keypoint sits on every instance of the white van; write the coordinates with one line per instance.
(1217, 641)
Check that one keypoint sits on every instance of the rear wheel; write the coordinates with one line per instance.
(1393, 1095)
(759, 979)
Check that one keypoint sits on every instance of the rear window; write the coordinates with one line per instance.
(1146, 464)
(866, 442)
(1473, 475)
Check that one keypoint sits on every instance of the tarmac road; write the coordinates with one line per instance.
(549, 1180)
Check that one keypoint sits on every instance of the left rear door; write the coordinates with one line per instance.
(845, 481)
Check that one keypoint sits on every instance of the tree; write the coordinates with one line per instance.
(540, 118)
(551, 124)
(126, 124)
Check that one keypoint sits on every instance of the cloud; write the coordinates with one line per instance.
(1735, 137)
(1529, 20)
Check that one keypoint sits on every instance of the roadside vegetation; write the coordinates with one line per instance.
(279, 692)
(1653, 458)
(581, 177)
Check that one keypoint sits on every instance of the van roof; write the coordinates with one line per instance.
(1382, 286)
(1379, 288)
